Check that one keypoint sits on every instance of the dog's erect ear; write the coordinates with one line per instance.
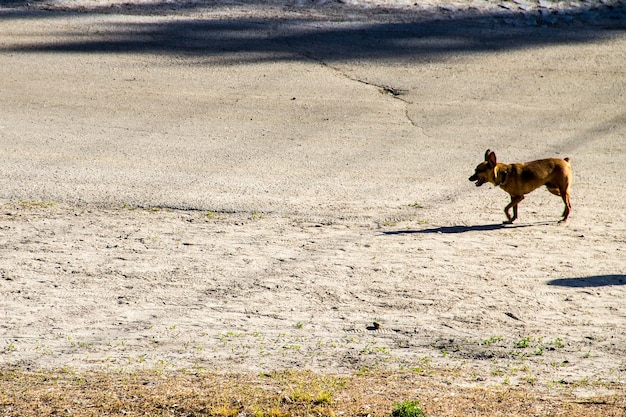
(491, 158)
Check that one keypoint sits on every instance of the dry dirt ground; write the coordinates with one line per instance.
(255, 186)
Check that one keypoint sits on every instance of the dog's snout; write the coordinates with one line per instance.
(473, 177)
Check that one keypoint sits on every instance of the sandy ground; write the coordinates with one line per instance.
(251, 186)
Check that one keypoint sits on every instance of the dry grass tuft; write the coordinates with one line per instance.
(288, 393)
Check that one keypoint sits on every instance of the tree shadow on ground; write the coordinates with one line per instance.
(591, 281)
(307, 36)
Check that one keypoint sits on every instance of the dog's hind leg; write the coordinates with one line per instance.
(515, 200)
(568, 205)
(553, 189)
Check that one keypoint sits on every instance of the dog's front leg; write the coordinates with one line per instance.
(515, 199)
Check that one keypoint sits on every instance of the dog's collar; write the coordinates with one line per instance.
(504, 176)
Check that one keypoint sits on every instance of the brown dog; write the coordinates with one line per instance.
(520, 179)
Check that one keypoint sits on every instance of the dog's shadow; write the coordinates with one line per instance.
(590, 281)
(465, 229)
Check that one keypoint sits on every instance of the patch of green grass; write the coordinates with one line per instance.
(492, 340)
(164, 391)
(558, 343)
(37, 204)
(523, 343)
(407, 409)
(538, 345)
(370, 349)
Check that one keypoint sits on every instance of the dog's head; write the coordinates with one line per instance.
(485, 172)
